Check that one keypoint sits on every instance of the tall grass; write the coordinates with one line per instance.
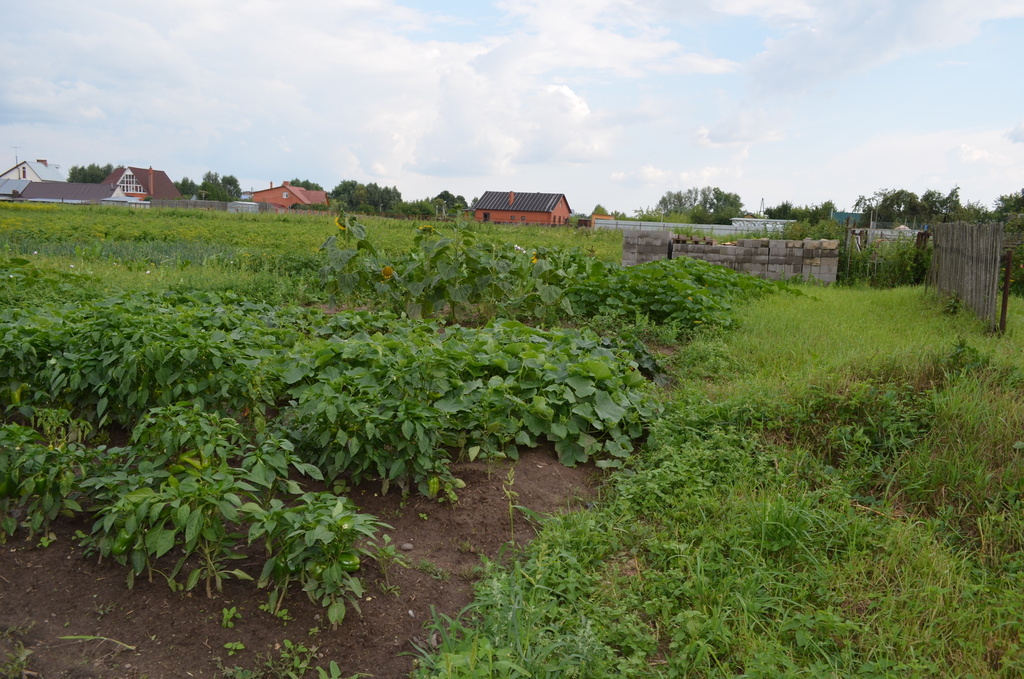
(833, 491)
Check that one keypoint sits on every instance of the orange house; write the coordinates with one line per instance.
(522, 208)
(287, 195)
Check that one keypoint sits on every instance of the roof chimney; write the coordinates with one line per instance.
(511, 198)
(42, 161)
(152, 184)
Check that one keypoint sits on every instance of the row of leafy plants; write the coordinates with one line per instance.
(453, 273)
(181, 500)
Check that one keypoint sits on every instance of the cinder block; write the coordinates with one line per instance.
(829, 245)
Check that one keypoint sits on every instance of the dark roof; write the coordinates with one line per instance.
(163, 188)
(521, 202)
(67, 191)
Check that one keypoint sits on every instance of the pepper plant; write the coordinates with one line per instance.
(38, 482)
(312, 543)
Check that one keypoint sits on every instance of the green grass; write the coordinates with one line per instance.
(832, 491)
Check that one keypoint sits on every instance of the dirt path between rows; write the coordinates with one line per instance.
(50, 594)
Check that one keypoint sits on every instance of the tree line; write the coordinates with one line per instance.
(712, 205)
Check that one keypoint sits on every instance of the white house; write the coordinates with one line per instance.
(38, 171)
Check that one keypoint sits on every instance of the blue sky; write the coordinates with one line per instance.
(608, 101)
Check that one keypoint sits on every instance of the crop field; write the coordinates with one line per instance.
(295, 446)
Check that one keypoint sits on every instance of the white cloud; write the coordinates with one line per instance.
(1016, 135)
(850, 36)
(742, 129)
(967, 153)
(663, 179)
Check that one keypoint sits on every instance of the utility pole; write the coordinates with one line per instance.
(15, 154)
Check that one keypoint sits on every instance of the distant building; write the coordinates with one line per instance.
(38, 171)
(68, 192)
(139, 182)
(287, 195)
(10, 189)
(508, 207)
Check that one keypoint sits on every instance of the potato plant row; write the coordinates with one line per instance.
(182, 512)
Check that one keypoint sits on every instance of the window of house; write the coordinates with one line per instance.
(512, 217)
(523, 218)
(284, 194)
(487, 216)
(129, 184)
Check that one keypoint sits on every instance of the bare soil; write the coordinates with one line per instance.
(79, 620)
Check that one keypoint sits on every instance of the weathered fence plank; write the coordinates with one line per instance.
(965, 263)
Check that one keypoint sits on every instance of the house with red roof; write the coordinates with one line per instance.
(143, 183)
(286, 195)
(522, 208)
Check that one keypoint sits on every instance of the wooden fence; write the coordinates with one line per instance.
(965, 263)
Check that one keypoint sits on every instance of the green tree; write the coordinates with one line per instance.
(231, 185)
(212, 188)
(784, 210)
(900, 206)
(450, 201)
(343, 194)
(1010, 204)
(89, 174)
(306, 184)
(715, 206)
(678, 202)
(904, 207)
(599, 210)
(356, 197)
(186, 187)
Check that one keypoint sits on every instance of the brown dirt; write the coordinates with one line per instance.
(49, 594)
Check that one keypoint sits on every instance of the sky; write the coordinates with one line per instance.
(611, 102)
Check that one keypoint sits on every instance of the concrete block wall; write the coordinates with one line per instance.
(645, 246)
(772, 259)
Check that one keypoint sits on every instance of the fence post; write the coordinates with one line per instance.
(1006, 290)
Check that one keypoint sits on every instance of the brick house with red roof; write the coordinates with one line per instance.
(288, 195)
(141, 182)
